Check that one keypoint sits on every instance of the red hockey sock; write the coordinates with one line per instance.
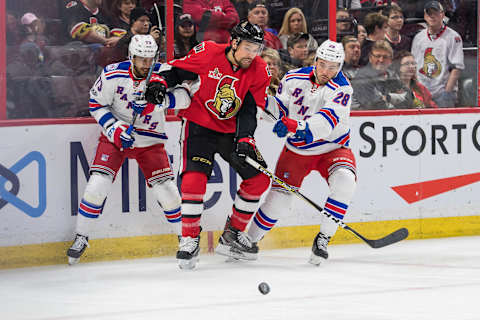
(240, 219)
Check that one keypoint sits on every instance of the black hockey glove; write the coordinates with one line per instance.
(246, 147)
(155, 92)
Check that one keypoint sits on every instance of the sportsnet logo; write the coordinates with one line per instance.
(10, 175)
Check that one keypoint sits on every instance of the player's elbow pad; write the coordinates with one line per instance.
(272, 110)
(178, 98)
(320, 128)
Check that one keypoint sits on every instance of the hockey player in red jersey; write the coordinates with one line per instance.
(113, 97)
(221, 119)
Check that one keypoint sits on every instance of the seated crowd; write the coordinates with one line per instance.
(391, 64)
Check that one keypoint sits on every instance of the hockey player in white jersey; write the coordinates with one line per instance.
(114, 98)
(313, 105)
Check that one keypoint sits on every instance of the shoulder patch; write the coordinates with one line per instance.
(341, 80)
(111, 67)
(199, 47)
(71, 4)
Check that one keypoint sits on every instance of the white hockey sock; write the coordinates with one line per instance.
(169, 200)
(276, 204)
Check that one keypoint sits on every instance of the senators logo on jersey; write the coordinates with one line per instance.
(431, 66)
(226, 102)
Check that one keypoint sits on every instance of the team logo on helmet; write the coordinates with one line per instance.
(226, 102)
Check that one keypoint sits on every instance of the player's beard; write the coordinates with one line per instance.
(245, 63)
(140, 72)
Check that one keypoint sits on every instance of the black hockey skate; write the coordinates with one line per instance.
(76, 250)
(236, 244)
(187, 254)
(319, 249)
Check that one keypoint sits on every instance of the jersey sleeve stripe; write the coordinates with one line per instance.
(297, 77)
(118, 76)
(283, 109)
(330, 116)
(105, 118)
(330, 86)
(148, 133)
(76, 27)
(171, 99)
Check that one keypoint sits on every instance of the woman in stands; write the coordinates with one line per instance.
(294, 22)
(406, 67)
(274, 62)
(185, 36)
(119, 16)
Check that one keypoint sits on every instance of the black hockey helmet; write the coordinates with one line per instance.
(247, 31)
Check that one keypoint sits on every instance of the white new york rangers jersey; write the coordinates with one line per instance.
(111, 99)
(435, 56)
(325, 108)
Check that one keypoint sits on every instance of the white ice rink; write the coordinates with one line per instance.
(421, 279)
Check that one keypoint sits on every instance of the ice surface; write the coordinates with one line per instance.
(419, 279)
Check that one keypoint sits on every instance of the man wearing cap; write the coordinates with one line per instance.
(438, 51)
(352, 48)
(258, 14)
(215, 18)
(297, 51)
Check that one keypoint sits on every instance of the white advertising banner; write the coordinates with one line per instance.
(416, 166)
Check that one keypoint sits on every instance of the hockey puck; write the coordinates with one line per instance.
(264, 288)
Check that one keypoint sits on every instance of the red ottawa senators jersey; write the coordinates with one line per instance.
(222, 91)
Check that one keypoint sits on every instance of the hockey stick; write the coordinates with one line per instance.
(147, 80)
(392, 238)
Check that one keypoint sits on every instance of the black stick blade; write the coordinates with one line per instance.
(392, 238)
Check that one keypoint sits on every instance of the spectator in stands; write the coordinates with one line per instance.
(395, 22)
(185, 36)
(344, 23)
(361, 34)
(294, 22)
(406, 67)
(352, 48)
(376, 86)
(258, 14)
(296, 52)
(119, 16)
(438, 51)
(86, 23)
(214, 18)
(242, 8)
(33, 30)
(349, 4)
(375, 3)
(139, 24)
(376, 25)
(272, 58)
(310, 59)
(12, 30)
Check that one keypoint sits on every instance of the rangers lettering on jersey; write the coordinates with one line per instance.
(326, 107)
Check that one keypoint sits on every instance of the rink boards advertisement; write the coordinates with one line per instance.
(409, 167)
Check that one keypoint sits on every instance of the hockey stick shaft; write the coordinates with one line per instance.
(147, 80)
(394, 237)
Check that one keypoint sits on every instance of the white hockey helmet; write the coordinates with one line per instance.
(142, 45)
(331, 51)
